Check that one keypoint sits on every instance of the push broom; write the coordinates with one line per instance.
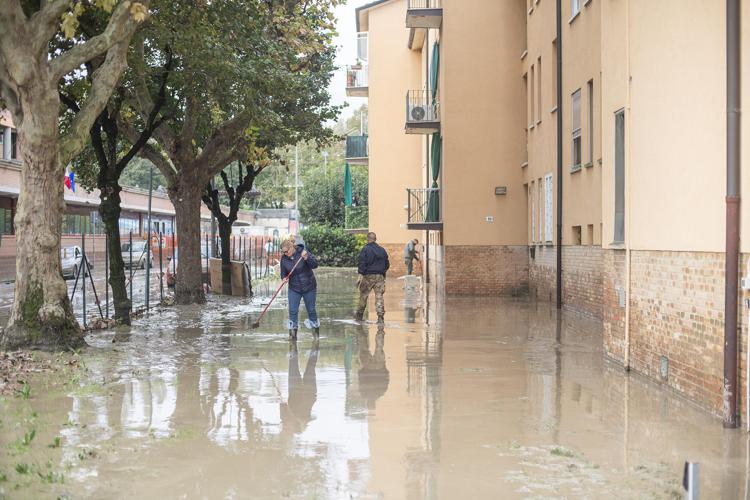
(283, 282)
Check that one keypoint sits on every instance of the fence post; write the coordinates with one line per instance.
(83, 267)
(208, 271)
(130, 263)
(106, 272)
(161, 273)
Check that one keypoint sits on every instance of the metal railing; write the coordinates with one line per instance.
(356, 76)
(423, 4)
(423, 205)
(356, 146)
(356, 217)
(421, 106)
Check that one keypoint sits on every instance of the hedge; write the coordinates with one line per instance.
(333, 246)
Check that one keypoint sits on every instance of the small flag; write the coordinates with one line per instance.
(70, 181)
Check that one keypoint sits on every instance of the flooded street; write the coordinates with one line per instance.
(457, 398)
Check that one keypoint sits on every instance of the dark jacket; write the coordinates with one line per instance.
(373, 259)
(303, 278)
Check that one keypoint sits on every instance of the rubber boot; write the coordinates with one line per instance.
(316, 332)
(381, 319)
(359, 315)
(293, 333)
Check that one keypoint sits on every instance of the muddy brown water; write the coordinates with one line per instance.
(456, 398)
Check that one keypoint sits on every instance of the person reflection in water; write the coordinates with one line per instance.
(373, 374)
(296, 413)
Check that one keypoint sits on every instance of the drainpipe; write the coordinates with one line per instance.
(559, 154)
(627, 189)
(733, 213)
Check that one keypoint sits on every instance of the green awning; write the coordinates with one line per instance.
(433, 202)
(347, 186)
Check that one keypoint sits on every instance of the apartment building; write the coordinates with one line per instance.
(470, 164)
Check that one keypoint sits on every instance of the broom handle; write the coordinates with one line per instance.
(283, 282)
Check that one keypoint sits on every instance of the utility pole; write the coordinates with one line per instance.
(148, 241)
(296, 181)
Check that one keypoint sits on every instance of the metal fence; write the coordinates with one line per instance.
(259, 253)
(356, 217)
(356, 146)
(356, 76)
(421, 106)
(423, 4)
(423, 205)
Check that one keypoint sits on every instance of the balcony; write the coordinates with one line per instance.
(356, 150)
(423, 209)
(422, 112)
(356, 81)
(424, 14)
(356, 219)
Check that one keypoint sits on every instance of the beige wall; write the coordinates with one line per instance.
(395, 157)
(582, 200)
(481, 99)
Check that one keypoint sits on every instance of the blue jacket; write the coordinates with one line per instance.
(303, 278)
(373, 259)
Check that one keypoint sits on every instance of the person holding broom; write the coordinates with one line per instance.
(296, 268)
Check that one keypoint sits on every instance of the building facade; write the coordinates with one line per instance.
(470, 163)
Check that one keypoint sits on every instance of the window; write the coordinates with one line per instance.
(575, 8)
(539, 90)
(528, 97)
(128, 225)
(13, 145)
(591, 121)
(577, 235)
(575, 111)
(2, 142)
(540, 204)
(553, 80)
(532, 196)
(548, 208)
(619, 236)
(532, 108)
(6, 221)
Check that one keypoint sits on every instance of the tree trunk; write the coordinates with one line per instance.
(186, 198)
(109, 209)
(41, 315)
(225, 232)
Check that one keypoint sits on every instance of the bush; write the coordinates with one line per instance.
(332, 246)
(361, 240)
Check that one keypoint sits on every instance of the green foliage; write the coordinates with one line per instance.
(321, 198)
(361, 240)
(136, 175)
(332, 246)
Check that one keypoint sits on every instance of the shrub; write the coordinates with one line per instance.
(332, 246)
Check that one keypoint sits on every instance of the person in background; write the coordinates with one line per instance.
(302, 284)
(410, 255)
(373, 264)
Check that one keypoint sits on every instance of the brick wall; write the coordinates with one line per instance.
(613, 309)
(396, 259)
(582, 277)
(676, 312)
(486, 270)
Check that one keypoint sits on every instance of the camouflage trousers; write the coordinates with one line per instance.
(370, 282)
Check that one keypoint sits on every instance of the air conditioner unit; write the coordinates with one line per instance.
(418, 113)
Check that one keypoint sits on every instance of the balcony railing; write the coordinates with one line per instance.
(356, 217)
(422, 112)
(423, 209)
(356, 80)
(424, 14)
(356, 149)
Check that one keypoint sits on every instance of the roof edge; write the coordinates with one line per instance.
(366, 6)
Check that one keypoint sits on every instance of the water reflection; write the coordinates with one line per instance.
(502, 395)
(373, 375)
(296, 413)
